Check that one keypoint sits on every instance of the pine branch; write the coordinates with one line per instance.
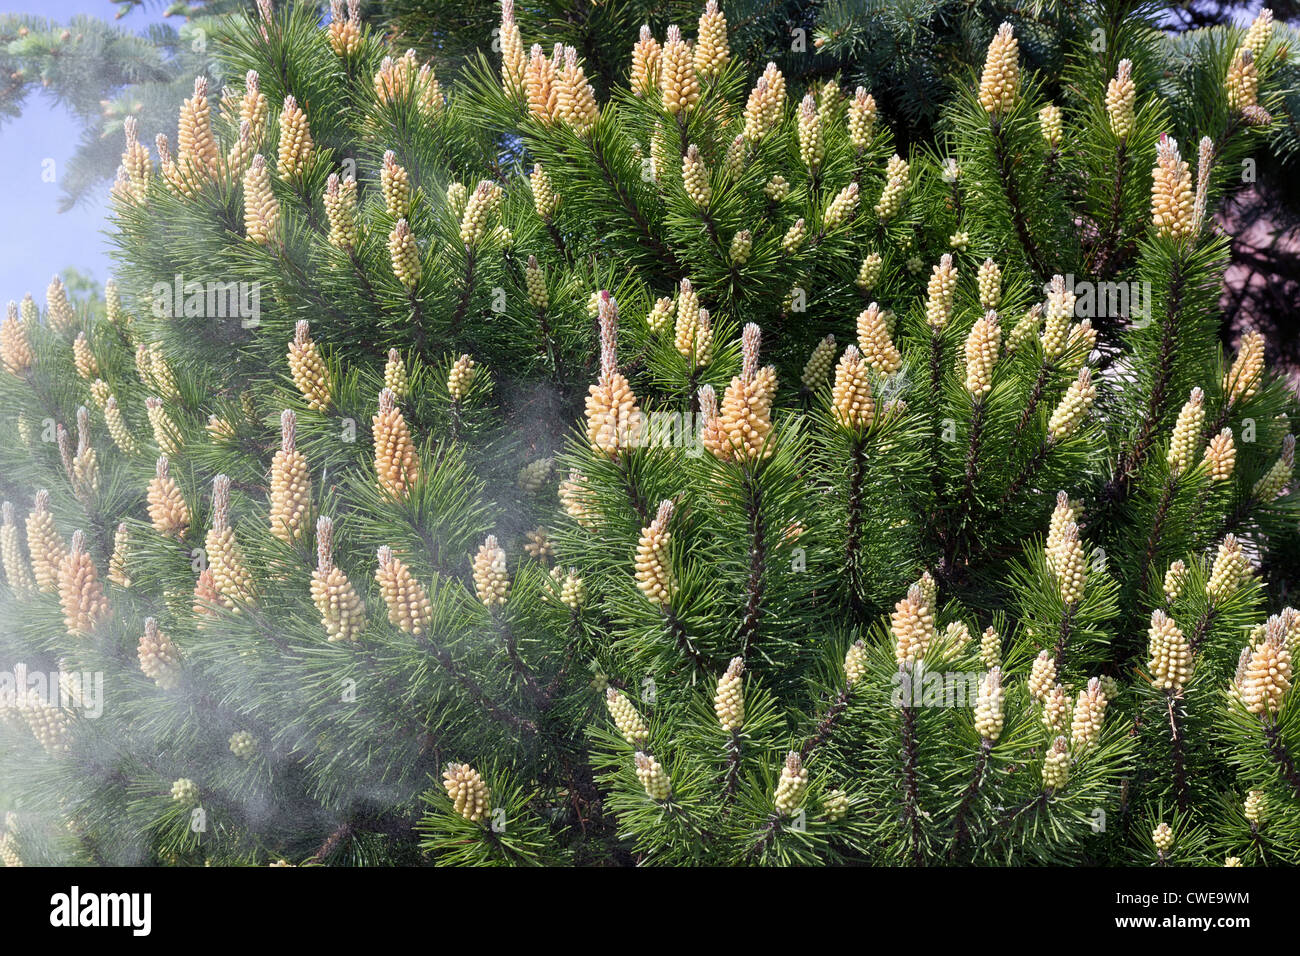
(1110, 234)
(1027, 472)
(1157, 529)
(540, 699)
(911, 785)
(1277, 749)
(853, 541)
(1063, 638)
(417, 323)
(467, 290)
(682, 640)
(675, 269)
(1117, 488)
(961, 824)
(1035, 396)
(340, 834)
(478, 694)
(1181, 796)
(733, 766)
(1202, 627)
(968, 489)
(826, 725)
(754, 586)
(1006, 175)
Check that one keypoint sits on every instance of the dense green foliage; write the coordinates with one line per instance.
(571, 587)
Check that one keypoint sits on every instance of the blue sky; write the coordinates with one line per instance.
(37, 241)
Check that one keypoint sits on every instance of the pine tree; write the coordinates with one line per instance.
(674, 475)
(105, 76)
